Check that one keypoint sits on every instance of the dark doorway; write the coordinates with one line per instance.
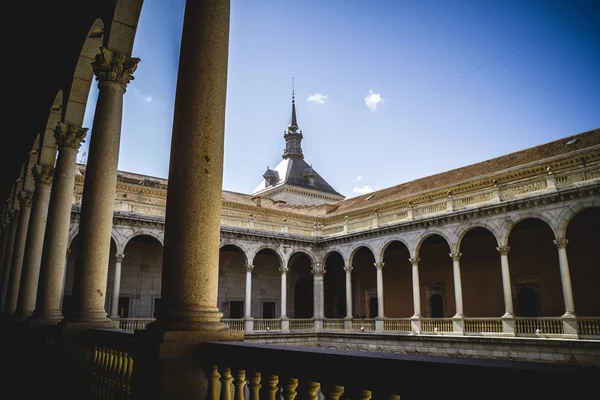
(372, 307)
(437, 306)
(236, 309)
(527, 301)
(268, 309)
(303, 297)
(157, 304)
(124, 307)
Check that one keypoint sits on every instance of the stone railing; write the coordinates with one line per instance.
(437, 325)
(483, 325)
(333, 324)
(518, 189)
(397, 325)
(267, 324)
(540, 325)
(234, 324)
(332, 230)
(467, 201)
(239, 223)
(430, 209)
(296, 230)
(589, 326)
(363, 324)
(393, 218)
(360, 224)
(301, 324)
(131, 324)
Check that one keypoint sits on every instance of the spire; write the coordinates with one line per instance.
(293, 126)
(293, 136)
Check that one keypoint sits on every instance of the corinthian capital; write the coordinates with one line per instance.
(42, 174)
(503, 250)
(119, 257)
(455, 256)
(317, 269)
(25, 198)
(13, 215)
(414, 261)
(114, 66)
(69, 135)
(561, 243)
(348, 269)
(249, 267)
(283, 270)
(379, 265)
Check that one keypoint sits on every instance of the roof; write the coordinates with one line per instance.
(533, 154)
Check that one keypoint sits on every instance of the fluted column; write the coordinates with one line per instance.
(284, 271)
(56, 241)
(113, 71)
(318, 269)
(506, 286)
(248, 298)
(14, 281)
(565, 276)
(35, 241)
(114, 313)
(379, 266)
(416, 286)
(348, 270)
(457, 283)
(13, 216)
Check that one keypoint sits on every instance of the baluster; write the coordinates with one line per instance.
(332, 392)
(239, 382)
(214, 383)
(226, 380)
(105, 361)
(118, 370)
(357, 394)
(127, 377)
(288, 388)
(254, 385)
(308, 390)
(270, 389)
(393, 397)
(95, 370)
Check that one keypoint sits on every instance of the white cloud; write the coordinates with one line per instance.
(148, 99)
(136, 90)
(317, 98)
(365, 189)
(358, 178)
(372, 100)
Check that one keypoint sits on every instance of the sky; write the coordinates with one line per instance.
(387, 91)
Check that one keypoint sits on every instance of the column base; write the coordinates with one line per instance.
(570, 326)
(458, 323)
(415, 324)
(52, 317)
(508, 324)
(348, 323)
(249, 324)
(379, 325)
(86, 325)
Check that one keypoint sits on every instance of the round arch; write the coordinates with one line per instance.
(508, 225)
(292, 258)
(568, 214)
(462, 232)
(237, 247)
(129, 238)
(274, 251)
(357, 248)
(389, 242)
(47, 150)
(428, 234)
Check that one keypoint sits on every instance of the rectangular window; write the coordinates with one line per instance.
(236, 309)
(268, 309)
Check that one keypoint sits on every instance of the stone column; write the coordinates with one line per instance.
(5, 234)
(318, 269)
(114, 312)
(56, 241)
(14, 281)
(249, 323)
(380, 303)
(113, 71)
(35, 241)
(64, 282)
(348, 322)
(285, 323)
(565, 276)
(416, 286)
(13, 216)
(457, 283)
(506, 285)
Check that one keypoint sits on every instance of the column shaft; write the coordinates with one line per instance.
(14, 281)
(416, 286)
(114, 313)
(248, 299)
(7, 260)
(380, 303)
(348, 292)
(283, 292)
(56, 241)
(113, 71)
(192, 224)
(506, 285)
(565, 276)
(35, 242)
(457, 284)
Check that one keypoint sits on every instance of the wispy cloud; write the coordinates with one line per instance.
(317, 98)
(372, 100)
(365, 189)
(136, 90)
(148, 99)
(358, 178)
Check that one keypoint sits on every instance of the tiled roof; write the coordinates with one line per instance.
(552, 149)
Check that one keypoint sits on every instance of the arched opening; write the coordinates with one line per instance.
(303, 297)
(364, 283)
(481, 274)
(397, 281)
(583, 234)
(436, 278)
(232, 281)
(334, 282)
(534, 270)
(300, 295)
(266, 285)
(141, 275)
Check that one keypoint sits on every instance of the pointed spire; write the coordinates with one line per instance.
(293, 126)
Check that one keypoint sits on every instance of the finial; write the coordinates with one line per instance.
(292, 90)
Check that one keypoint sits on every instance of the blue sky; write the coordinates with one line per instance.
(386, 91)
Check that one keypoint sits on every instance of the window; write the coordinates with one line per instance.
(268, 309)
(236, 309)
